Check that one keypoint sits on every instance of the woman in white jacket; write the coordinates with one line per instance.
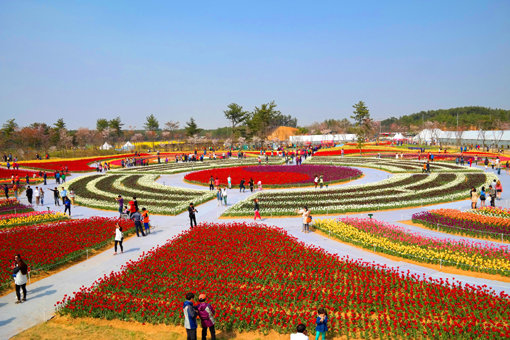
(19, 272)
(119, 237)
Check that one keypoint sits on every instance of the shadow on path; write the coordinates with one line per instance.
(47, 293)
(7, 321)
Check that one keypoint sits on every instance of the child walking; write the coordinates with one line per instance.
(322, 324)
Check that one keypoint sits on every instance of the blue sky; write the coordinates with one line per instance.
(84, 60)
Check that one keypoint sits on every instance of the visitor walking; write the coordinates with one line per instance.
(219, 199)
(190, 317)
(20, 272)
(41, 194)
(192, 215)
(307, 219)
(72, 196)
(6, 191)
(322, 324)
(120, 201)
(241, 185)
(259, 184)
(56, 196)
(474, 198)
(211, 183)
(137, 218)
(206, 314)
(499, 189)
(229, 182)
(45, 177)
(316, 181)
(224, 194)
(482, 197)
(145, 215)
(37, 196)
(492, 195)
(119, 237)
(321, 181)
(256, 209)
(29, 194)
(67, 205)
(15, 190)
(252, 184)
(63, 195)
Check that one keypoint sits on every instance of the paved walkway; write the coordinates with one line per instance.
(43, 294)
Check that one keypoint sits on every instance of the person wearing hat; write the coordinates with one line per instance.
(192, 218)
(206, 313)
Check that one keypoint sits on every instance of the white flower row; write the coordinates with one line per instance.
(391, 165)
(171, 202)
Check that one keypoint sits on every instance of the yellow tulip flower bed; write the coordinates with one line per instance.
(396, 241)
(29, 218)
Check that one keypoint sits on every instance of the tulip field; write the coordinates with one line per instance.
(49, 245)
(73, 164)
(276, 175)
(485, 222)
(394, 240)
(100, 191)
(259, 278)
(398, 191)
(173, 167)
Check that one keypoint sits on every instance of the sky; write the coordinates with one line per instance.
(85, 60)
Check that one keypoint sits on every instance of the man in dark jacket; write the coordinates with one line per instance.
(192, 218)
(206, 313)
(190, 317)
(29, 194)
(137, 218)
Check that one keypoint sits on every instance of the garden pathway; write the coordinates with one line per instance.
(43, 294)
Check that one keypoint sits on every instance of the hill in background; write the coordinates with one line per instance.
(469, 118)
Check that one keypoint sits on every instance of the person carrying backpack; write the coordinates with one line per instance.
(206, 313)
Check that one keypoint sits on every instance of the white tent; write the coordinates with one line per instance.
(105, 146)
(128, 146)
(398, 136)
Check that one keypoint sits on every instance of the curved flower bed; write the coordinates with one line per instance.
(391, 164)
(399, 191)
(47, 246)
(394, 240)
(269, 281)
(465, 223)
(276, 175)
(172, 167)
(100, 191)
(28, 218)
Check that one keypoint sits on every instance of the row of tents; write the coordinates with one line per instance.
(128, 146)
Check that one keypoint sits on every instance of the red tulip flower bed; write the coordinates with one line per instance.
(80, 164)
(259, 279)
(7, 174)
(276, 175)
(45, 246)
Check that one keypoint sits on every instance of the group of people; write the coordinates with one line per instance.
(321, 327)
(206, 313)
(132, 212)
(491, 194)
